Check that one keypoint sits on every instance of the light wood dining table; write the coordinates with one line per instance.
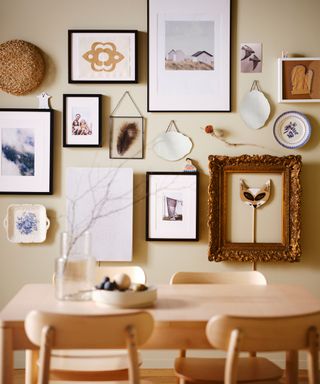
(181, 313)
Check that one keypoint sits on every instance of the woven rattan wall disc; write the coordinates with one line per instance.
(21, 67)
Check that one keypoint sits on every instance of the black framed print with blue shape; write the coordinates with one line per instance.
(26, 151)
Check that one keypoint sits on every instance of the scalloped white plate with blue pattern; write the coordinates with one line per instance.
(292, 129)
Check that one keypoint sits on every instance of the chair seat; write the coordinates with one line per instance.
(204, 370)
(90, 360)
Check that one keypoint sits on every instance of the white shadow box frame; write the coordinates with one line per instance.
(299, 80)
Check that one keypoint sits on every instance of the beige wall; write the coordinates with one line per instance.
(292, 25)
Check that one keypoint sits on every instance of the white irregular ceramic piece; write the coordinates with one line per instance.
(172, 145)
(125, 299)
(26, 223)
(254, 109)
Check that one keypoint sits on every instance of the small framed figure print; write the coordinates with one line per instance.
(102, 56)
(126, 137)
(26, 151)
(172, 206)
(82, 120)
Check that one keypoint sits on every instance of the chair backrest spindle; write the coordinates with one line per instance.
(64, 331)
(237, 334)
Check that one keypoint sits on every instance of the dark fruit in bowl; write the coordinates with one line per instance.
(101, 285)
(110, 286)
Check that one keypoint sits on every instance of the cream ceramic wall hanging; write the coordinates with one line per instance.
(172, 145)
(26, 223)
(254, 107)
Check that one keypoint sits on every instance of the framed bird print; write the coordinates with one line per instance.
(102, 56)
(251, 57)
(254, 208)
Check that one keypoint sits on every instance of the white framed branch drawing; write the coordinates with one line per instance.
(100, 200)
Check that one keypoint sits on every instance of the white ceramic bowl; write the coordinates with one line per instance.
(125, 299)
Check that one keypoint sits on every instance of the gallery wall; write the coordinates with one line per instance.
(290, 25)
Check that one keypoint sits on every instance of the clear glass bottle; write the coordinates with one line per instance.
(75, 268)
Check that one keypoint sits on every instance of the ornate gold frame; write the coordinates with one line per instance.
(220, 249)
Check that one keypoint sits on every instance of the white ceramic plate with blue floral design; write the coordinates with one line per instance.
(292, 129)
(26, 223)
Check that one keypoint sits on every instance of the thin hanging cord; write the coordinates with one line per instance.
(255, 85)
(120, 101)
(172, 126)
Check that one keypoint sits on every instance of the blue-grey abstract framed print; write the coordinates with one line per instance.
(26, 151)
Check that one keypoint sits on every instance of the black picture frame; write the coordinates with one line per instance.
(164, 223)
(26, 137)
(169, 85)
(86, 45)
(86, 111)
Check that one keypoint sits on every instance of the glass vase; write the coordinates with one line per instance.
(75, 268)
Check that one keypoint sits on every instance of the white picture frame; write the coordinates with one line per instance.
(294, 71)
(172, 206)
(189, 55)
(26, 137)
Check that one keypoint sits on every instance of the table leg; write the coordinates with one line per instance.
(6, 355)
(292, 367)
(32, 357)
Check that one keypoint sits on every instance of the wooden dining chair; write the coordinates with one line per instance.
(236, 334)
(52, 331)
(105, 363)
(233, 277)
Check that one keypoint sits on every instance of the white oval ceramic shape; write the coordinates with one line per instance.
(172, 146)
(254, 109)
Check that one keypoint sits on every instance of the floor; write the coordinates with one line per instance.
(156, 376)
